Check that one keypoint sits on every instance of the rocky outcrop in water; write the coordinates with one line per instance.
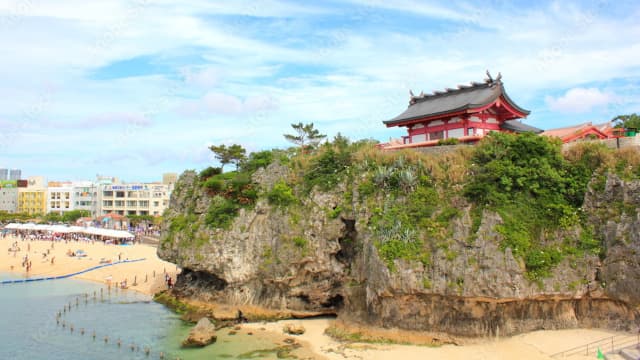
(317, 259)
(203, 334)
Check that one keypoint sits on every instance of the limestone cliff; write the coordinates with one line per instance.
(323, 255)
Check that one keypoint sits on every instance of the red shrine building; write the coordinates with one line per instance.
(466, 113)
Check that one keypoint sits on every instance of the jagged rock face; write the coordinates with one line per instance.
(258, 261)
(472, 316)
(614, 213)
(481, 290)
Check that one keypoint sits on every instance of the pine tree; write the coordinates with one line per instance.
(307, 135)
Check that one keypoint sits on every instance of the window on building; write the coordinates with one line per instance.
(132, 203)
(144, 203)
(436, 135)
(156, 203)
(470, 131)
(144, 212)
(119, 203)
(119, 194)
(107, 203)
(107, 193)
(131, 212)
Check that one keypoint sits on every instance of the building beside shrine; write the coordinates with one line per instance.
(582, 132)
(466, 113)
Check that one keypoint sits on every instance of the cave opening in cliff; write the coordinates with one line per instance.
(347, 242)
(200, 279)
(335, 302)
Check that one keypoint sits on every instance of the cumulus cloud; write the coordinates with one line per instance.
(115, 118)
(205, 78)
(223, 104)
(580, 100)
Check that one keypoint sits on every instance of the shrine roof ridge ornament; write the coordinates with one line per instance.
(489, 81)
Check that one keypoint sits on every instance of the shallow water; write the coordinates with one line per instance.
(29, 330)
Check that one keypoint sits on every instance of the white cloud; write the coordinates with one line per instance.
(205, 78)
(580, 100)
(216, 103)
(115, 118)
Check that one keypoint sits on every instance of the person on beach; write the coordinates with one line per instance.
(241, 318)
(53, 258)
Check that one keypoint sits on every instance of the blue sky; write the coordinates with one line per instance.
(141, 87)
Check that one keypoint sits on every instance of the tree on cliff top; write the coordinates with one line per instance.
(306, 136)
(627, 121)
(233, 154)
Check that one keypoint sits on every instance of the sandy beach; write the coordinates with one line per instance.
(537, 345)
(138, 275)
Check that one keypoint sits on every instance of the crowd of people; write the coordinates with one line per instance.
(24, 235)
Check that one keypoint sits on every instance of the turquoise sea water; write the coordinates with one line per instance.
(30, 329)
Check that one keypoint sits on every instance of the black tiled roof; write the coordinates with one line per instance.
(517, 126)
(453, 100)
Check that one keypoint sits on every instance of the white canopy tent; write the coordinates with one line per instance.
(117, 234)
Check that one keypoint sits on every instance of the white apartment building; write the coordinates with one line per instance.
(59, 198)
(133, 199)
(85, 197)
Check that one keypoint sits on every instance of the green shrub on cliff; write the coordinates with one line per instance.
(526, 180)
(209, 172)
(326, 168)
(281, 195)
(221, 212)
